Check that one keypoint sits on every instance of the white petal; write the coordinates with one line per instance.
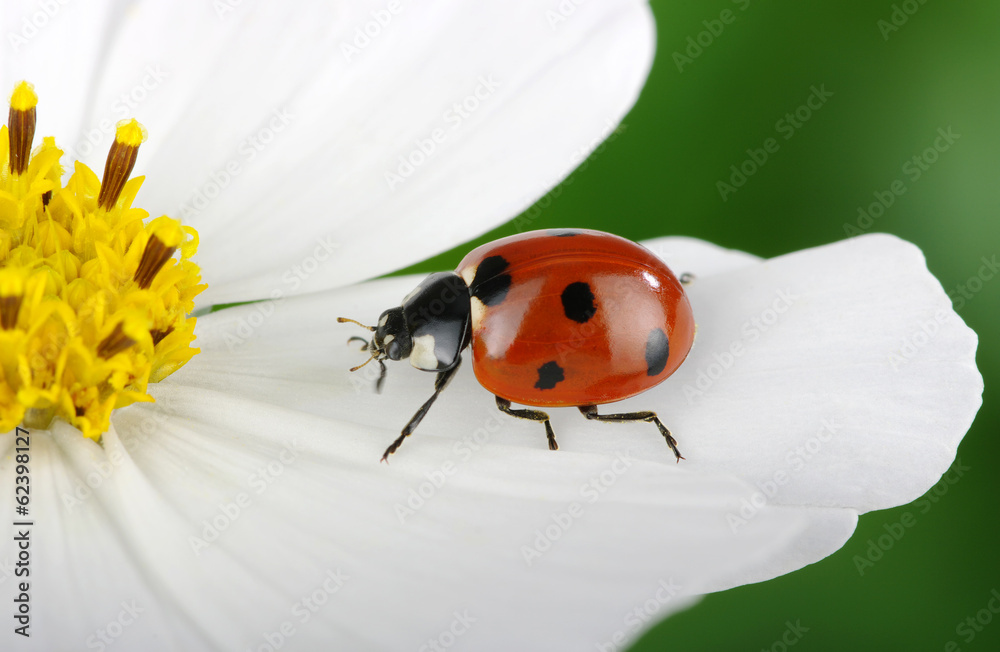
(841, 370)
(82, 573)
(295, 498)
(274, 140)
(333, 506)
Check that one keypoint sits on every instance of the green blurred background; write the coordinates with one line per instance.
(892, 89)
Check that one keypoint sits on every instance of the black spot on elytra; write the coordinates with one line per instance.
(490, 284)
(578, 302)
(563, 233)
(657, 352)
(549, 374)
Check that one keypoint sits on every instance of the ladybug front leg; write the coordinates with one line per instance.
(590, 411)
(533, 415)
(442, 380)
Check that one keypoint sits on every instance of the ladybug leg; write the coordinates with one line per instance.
(443, 378)
(686, 278)
(590, 411)
(532, 415)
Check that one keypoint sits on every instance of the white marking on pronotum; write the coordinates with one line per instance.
(469, 274)
(422, 356)
(478, 313)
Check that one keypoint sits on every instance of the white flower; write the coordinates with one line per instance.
(246, 508)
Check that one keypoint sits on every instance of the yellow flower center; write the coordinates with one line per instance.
(93, 303)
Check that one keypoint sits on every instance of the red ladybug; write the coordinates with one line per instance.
(555, 318)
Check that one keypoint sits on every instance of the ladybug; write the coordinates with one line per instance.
(554, 318)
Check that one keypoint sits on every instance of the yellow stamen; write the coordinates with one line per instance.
(94, 297)
(121, 159)
(11, 296)
(21, 120)
(114, 343)
(160, 248)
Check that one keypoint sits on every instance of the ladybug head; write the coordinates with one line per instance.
(431, 327)
(392, 336)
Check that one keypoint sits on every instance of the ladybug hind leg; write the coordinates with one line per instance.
(590, 411)
(442, 380)
(532, 415)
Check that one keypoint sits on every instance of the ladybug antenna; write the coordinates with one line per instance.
(381, 376)
(375, 353)
(366, 362)
(344, 320)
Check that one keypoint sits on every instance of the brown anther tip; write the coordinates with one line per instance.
(9, 309)
(158, 335)
(114, 343)
(154, 257)
(20, 134)
(121, 160)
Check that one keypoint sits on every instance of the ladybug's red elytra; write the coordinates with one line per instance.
(555, 318)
